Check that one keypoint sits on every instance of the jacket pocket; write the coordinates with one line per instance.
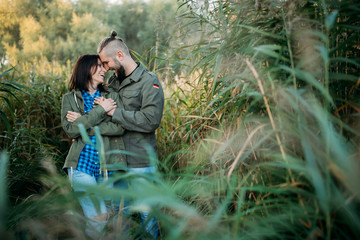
(131, 93)
(116, 144)
(131, 100)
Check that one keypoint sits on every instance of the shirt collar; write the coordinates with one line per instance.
(84, 93)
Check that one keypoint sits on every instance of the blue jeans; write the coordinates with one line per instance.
(150, 225)
(91, 206)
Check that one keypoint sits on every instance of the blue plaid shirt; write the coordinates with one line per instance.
(89, 157)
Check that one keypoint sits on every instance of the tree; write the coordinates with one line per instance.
(61, 30)
(86, 31)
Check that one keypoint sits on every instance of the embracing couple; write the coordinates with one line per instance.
(127, 113)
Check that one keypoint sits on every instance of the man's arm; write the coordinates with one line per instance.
(148, 118)
(109, 128)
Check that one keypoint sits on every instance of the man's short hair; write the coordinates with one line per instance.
(112, 45)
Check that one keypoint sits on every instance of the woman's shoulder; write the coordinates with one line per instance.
(68, 94)
(71, 94)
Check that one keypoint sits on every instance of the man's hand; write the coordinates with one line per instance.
(108, 104)
(111, 112)
(72, 116)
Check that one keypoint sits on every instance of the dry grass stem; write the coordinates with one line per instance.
(248, 140)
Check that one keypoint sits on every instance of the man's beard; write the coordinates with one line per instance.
(120, 72)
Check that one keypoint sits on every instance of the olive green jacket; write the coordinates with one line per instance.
(143, 99)
(111, 132)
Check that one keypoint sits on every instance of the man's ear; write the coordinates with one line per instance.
(120, 55)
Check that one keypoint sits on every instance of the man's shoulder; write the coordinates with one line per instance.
(142, 72)
(150, 73)
(149, 77)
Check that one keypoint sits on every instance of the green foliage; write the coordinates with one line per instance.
(260, 132)
(267, 106)
(62, 30)
(82, 40)
(3, 190)
(32, 131)
(6, 90)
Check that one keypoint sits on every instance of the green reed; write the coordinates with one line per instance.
(261, 139)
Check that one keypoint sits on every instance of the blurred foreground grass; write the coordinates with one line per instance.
(259, 138)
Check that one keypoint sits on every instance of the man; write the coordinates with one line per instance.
(143, 99)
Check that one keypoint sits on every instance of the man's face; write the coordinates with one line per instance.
(112, 64)
(109, 62)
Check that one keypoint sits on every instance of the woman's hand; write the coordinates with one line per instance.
(72, 116)
(108, 104)
(98, 100)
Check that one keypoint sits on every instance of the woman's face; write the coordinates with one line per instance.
(98, 76)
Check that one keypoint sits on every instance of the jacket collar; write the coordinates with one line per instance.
(135, 76)
(105, 88)
(114, 82)
(77, 92)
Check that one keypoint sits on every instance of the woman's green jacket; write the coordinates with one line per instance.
(111, 132)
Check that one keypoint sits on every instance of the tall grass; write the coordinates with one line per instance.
(32, 131)
(269, 114)
(260, 142)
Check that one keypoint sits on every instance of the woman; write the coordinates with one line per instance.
(82, 162)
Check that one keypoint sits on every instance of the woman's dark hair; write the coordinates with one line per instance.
(82, 72)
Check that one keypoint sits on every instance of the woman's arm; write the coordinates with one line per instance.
(107, 127)
(94, 117)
